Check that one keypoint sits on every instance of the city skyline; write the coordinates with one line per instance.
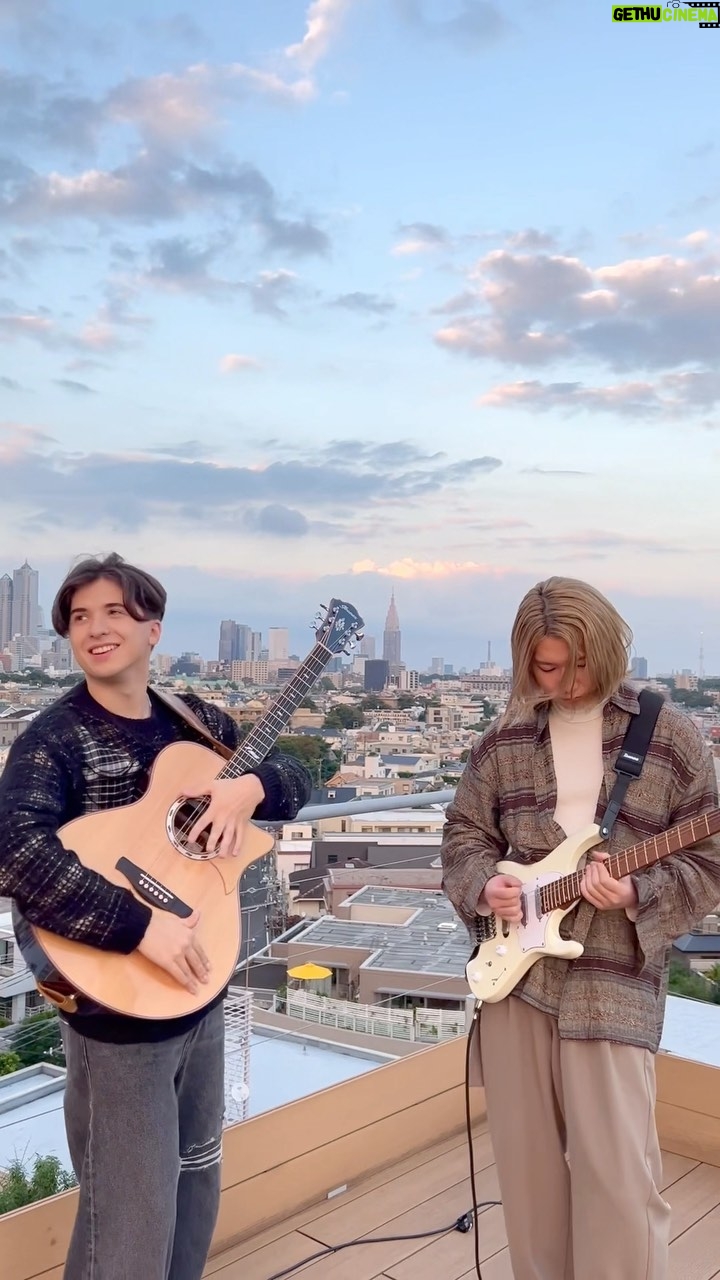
(283, 319)
(243, 641)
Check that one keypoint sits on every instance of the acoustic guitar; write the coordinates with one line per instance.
(145, 848)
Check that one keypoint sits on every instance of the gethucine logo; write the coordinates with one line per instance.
(675, 12)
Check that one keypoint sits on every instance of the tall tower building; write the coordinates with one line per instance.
(25, 601)
(6, 599)
(226, 646)
(234, 645)
(278, 644)
(392, 637)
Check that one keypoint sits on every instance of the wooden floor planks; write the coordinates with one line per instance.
(432, 1189)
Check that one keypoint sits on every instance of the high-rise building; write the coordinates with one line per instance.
(409, 680)
(638, 669)
(226, 646)
(244, 637)
(392, 637)
(234, 645)
(278, 644)
(376, 675)
(437, 666)
(255, 646)
(367, 647)
(6, 599)
(25, 601)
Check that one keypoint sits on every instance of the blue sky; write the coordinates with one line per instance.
(324, 298)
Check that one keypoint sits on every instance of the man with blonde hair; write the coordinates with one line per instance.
(567, 1059)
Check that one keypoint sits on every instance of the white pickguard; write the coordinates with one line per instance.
(501, 961)
(532, 934)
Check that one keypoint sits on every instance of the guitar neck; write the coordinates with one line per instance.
(268, 729)
(564, 892)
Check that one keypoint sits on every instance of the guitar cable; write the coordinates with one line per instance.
(466, 1222)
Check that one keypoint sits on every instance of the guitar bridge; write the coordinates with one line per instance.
(153, 891)
(485, 928)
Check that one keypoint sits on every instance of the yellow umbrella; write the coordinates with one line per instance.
(309, 972)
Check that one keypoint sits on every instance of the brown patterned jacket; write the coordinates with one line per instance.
(504, 807)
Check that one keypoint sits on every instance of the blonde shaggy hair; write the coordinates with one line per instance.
(577, 613)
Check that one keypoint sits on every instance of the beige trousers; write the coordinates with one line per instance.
(573, 1129)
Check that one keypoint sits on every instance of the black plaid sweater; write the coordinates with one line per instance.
(76, 758)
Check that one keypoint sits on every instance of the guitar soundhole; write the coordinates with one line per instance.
(181, 819)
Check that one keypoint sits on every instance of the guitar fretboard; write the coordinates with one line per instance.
(266, 732)
(564, 892)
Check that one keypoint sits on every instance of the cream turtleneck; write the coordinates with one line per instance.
(576, 737)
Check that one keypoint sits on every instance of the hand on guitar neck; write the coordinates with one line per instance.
(172, 944)
(601, 890)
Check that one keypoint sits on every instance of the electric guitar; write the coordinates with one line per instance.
(551, 888)
(145, 848)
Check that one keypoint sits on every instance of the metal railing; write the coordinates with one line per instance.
(429, 1026)
(372, 804)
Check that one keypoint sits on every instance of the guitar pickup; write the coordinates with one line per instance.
(152, 891)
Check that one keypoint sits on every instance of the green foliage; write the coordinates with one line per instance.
(683, 982)
(691, 698)
(9, 1062)
(314, 753)
(343, 717)
(37, 1039)
(20, 1186)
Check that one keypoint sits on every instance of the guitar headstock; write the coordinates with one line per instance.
(340, 628)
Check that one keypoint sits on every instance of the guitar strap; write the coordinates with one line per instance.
(182, 710)
(631, 757)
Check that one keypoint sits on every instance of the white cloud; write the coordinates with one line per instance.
(420, 237)
(407, 567)
(673, 395)
(323, 21)
(26, 326)
(177, 108)
(640, 313)
(234, 363)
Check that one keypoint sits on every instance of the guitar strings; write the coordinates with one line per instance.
(300, 683)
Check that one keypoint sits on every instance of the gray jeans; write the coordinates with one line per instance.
(144, 1127)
